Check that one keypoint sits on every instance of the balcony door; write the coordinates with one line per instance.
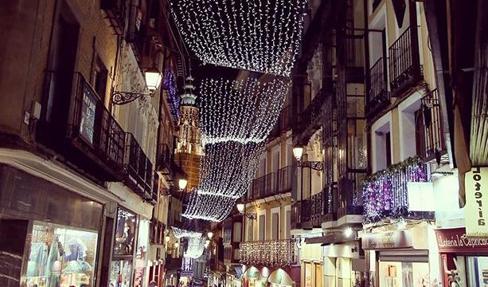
(56, 102)
(262, 227)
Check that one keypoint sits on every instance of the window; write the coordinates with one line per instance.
(275, 226)
(99, 78)
(61, 256)
(288, 224)
(388, 149)
(250, 229)
(262, 227)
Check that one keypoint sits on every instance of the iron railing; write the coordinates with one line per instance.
(94, 125)
(377, 94)
(404, 61)
(385, 193)
(139, 167)
(115, 10)
(430, 141)
(269, 252)
(272, 183)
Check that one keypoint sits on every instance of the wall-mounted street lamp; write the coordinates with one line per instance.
(241, 207)
(182, 183)
(152, 78)
(315, 165)
(210, 235)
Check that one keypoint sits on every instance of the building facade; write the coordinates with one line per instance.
(80, 141)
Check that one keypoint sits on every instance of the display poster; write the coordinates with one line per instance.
(125, 233)
(476, 208)
(141, 253)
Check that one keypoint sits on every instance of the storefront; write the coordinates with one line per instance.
(404, 257)
(464, 260)
(121, 270)
(343, 266)
(311, 264)
(53, 233)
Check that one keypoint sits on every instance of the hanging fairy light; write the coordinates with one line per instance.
(240, 110)
(181, 233)
(196, 246)
(228, 168)
(208, 207)
(254, 35)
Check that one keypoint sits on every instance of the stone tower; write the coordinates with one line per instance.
(188, 146)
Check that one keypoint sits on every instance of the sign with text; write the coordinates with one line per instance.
(387, 240)
(455, 240)
(476, 209)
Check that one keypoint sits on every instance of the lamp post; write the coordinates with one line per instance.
(315, 165)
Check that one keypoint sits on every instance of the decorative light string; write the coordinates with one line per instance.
(254, 35)
(208, 207)
(228, 168)
(196, 246)
(240, 110)
(385, 192)
(181, 233)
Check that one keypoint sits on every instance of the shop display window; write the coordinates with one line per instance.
(61, 256)
(125, 233)
(120, 273)
(404, 274)
(478, 271)
(141, 253)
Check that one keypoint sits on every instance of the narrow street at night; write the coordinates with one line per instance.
(244, 143)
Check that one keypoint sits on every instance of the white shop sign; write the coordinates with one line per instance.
(476, 209)
(420, 196)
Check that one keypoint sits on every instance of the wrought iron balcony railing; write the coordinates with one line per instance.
(385, 192)
(115, 10)
(404, 61)
(430, 141)
(139, 167)
(377, 94)
(273, 253)
(272, 183)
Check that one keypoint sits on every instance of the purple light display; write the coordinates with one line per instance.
(385, 192)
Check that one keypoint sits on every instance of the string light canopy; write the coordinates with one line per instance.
(227, 169)
(240, 110)
(208, 207)
(254, 35)
(181, 233)
(196, 246)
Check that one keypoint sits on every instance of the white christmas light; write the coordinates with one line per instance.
(208, 207)
(227, 169)
(240, 110)
(196, 246)
(255, 35)
(180, 233)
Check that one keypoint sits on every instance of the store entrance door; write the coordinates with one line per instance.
(13, 233)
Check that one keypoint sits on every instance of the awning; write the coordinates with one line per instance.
(280, 277)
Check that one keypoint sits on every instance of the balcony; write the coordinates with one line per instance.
(377, 95)
(80, 128)
(271, 253)
(404, 62)
(91, 138)
(115, 10)
(271, 184)
(309, 121)
(282, 125)
(385, 193)
(430, 140)
(139, 168)
(165, 160)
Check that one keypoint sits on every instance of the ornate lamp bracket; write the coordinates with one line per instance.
(122, 98)
(315, 165)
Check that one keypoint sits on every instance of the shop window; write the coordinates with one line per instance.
(61, 256)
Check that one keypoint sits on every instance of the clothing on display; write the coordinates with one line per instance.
(61, 256)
